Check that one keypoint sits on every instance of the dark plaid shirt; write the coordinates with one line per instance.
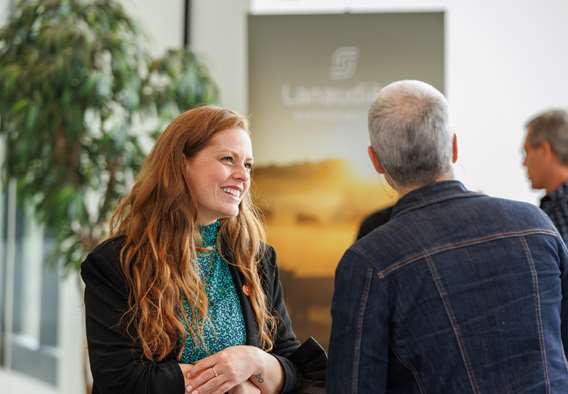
(555, 204)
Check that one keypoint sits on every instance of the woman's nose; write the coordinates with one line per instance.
(242, 173)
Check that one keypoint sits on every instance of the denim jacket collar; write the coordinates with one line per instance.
(431, 194)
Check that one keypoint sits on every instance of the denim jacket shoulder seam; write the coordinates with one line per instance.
(368, 260)
(458, 245)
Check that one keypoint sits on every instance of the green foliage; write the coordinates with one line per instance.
(77, 92)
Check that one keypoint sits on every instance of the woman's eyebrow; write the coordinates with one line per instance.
(235, 153)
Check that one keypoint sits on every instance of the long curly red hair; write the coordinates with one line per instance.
(158, 219)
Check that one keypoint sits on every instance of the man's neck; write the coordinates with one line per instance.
(402, 191)
(556, 180)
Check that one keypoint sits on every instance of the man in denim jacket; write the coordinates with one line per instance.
(459, 292)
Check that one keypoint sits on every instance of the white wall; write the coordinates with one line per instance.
(219, 35)
(162, 21)
(14, 382)
(4, 10)
(505, 61)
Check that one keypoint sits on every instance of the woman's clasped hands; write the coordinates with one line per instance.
(228, 371)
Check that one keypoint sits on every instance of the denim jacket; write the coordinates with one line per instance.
(458, 293)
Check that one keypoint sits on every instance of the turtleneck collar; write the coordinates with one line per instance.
(209, 233)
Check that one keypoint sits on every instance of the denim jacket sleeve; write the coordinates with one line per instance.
(359, 343)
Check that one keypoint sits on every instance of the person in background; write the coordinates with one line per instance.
(185, 297)
(458, 292)
(374, 220)
(546, 162)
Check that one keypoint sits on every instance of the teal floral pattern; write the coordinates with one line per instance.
(225, 325)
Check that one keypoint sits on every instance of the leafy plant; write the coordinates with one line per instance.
(80, 97)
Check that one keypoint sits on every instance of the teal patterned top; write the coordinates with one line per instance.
(225, 325)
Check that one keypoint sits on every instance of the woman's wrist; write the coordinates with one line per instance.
(258, 359)
(268, 373)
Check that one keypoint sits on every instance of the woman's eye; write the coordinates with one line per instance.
(248, 166)
(227, 159)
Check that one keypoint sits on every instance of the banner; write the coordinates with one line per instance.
(312, 79)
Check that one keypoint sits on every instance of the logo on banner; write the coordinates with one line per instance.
(344, 63)
(331, 101)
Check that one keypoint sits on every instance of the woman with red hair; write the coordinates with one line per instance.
(184, 297)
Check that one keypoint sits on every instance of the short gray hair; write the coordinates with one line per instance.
(409, 131)
(551, 126)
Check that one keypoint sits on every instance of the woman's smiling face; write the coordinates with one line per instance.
(219, 174)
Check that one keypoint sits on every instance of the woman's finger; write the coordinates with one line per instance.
(217, 384)
(197, 380)
(185, 368)
(203, 364)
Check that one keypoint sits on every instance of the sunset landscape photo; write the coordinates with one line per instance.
(312, 212)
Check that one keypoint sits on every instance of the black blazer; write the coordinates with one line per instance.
(117, 362)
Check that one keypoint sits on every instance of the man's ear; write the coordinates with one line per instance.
(375, 160)
(547, 151)
(454, 148)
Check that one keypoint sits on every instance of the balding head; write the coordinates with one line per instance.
(408, 128)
